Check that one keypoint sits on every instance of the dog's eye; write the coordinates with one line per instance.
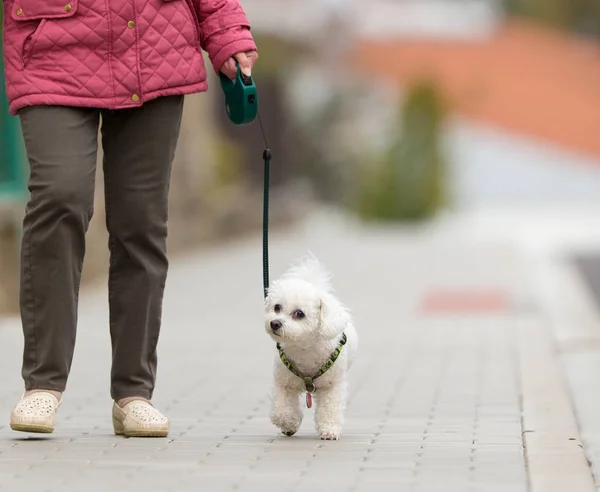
(297, 314)
(277, 308)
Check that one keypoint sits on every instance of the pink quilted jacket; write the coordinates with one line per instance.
(115, 53)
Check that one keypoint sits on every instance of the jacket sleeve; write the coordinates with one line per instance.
(224, 29)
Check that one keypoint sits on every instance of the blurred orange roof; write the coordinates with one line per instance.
(526, 78)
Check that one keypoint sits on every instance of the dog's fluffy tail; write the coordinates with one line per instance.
(309, 268)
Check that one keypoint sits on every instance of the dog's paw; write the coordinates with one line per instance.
(330, 436)
(288, 421)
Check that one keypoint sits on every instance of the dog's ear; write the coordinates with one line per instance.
(333, 317)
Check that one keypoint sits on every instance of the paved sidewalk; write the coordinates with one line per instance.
(442, 394)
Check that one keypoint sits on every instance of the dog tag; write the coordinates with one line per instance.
(308, 400)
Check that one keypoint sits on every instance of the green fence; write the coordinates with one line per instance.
(13, 177)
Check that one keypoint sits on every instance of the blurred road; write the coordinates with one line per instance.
(458, 386)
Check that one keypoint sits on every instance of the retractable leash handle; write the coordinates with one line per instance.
(241, 97)
(241, 105)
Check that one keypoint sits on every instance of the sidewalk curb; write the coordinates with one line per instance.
(555, 457)
(575, 321)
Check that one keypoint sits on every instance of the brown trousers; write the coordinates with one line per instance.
(139, 147)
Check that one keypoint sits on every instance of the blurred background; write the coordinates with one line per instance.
(398, 111)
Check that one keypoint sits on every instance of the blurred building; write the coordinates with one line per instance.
(524, 98)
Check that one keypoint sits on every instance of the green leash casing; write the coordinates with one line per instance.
(241, 97)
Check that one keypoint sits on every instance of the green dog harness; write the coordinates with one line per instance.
(309, 381)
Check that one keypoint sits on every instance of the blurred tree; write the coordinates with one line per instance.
(276, 56)
(9, 230)
(587, 16)
(408, 183)
(581, 16)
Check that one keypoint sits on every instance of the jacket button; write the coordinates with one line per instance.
(131, 24)
(19, 12)
(135, 98)
(68, 7)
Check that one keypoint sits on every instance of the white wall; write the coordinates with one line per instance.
(462, 19)
(491, 167)
(456, 19)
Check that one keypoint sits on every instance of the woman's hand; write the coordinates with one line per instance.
(246, 61)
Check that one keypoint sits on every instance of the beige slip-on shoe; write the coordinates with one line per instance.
(35, 413)
(139, 419)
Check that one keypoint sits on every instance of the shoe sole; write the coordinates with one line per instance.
(32, 428)
(157, 433)
(120, 431)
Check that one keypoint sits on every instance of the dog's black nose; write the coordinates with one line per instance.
(275, 325)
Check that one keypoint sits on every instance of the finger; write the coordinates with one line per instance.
(231, 74)
(229, 68)
(252, 57)
(245, 64)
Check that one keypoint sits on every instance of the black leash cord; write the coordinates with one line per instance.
(267, 173)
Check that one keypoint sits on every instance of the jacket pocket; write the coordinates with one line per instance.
(33, 15)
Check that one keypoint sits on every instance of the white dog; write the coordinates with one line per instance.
(316, 341)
